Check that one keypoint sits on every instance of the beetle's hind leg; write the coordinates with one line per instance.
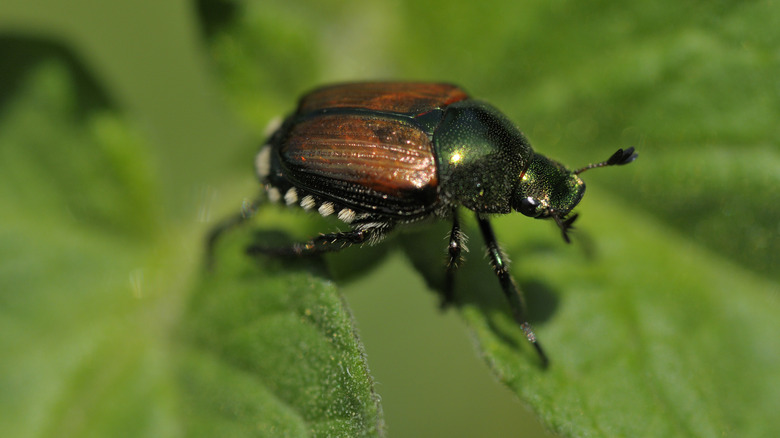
(508, 285)
(248, 210)
(362, 233)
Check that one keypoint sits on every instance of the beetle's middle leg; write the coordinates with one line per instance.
(501, 267)
(329, 242)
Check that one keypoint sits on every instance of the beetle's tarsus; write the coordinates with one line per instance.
(248, 210)
(531, 336)
(542, 355)
(566, 225)
(321, 244)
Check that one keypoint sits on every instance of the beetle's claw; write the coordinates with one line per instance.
(568, 223)
(565, 225)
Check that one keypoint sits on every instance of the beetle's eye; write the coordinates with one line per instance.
(529, 206)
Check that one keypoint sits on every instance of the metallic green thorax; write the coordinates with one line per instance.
(487, 165)
(480, 156)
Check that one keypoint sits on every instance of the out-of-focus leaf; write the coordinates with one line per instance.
(101, 334)
(81, 357)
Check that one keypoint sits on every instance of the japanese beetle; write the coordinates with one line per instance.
(380, 155)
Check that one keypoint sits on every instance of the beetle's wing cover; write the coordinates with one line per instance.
(362, 161)
(395, 97)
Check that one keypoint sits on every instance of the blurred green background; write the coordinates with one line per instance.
(693, 85)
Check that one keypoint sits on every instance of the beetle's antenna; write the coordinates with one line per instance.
(619, 158)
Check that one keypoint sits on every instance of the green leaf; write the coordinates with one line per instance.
(270, 349)
(657, 318)
(79, 215)
(108, 327)
(648, 334)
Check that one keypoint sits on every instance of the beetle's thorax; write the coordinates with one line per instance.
(480, 156)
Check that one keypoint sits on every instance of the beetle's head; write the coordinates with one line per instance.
(547, 189)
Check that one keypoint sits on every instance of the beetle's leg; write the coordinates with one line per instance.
(457, 244)
(247, 212)
(325, 242)
(501, 267)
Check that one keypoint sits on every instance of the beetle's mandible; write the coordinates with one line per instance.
(377, 155)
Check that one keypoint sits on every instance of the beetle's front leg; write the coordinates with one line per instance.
(456, 245)
(323, 243)
(501, 267)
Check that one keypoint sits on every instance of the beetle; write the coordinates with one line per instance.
(378, 155)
